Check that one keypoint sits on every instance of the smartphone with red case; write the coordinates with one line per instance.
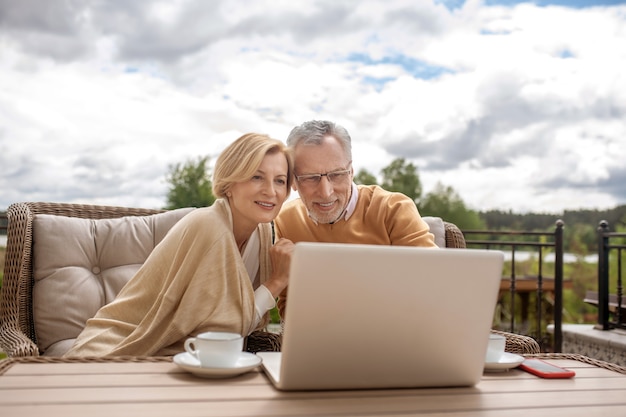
(544, 369)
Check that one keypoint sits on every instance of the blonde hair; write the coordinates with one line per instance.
(242, 158)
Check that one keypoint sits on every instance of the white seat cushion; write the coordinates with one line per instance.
(438, 229)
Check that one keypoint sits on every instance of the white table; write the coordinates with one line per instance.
(157, 387)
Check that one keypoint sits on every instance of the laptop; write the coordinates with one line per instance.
(375, 316)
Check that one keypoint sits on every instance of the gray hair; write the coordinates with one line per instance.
(314, 131)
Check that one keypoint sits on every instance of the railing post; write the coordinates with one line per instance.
(539, 307)
(512, 289)
(558, 286)
(603, 276)
(619, 319)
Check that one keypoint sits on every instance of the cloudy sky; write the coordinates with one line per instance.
(516, 105)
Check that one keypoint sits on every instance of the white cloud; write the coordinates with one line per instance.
(516, 107)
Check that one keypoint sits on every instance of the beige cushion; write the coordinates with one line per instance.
(438, 229)
(79, 265)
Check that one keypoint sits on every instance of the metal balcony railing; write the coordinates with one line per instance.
(517, 291)
(609, 298)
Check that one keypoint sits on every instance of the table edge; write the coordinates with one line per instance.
(7, 363)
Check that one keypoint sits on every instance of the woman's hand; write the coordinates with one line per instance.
(280, 256)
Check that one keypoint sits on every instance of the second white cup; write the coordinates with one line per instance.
(215, 349)
(495, 348)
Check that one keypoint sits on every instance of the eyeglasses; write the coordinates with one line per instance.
(335, 177)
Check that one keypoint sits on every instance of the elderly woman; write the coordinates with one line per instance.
(216, 269)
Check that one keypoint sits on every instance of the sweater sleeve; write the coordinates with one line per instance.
(404, 224)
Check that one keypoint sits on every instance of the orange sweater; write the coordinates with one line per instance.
(379, 218)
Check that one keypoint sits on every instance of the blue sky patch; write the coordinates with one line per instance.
(415, 67)
(377, 82)
(575, 4)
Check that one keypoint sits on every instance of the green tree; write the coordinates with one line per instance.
(581, 239)
(190, 184)
(402, 177)
(446, 203)
(365, 177)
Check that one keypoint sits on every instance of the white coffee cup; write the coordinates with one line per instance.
(495, 348)
(215, 349)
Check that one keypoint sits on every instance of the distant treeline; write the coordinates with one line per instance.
(498, 220)
(580, 226)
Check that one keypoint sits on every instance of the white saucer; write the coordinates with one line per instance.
(507, 361)
(246, 362)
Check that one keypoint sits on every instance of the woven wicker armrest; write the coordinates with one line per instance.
(16, 332)
(262, 341)
(454, 236)
(14, 342)
(519, 344)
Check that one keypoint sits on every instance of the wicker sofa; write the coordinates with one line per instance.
(40, 313)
